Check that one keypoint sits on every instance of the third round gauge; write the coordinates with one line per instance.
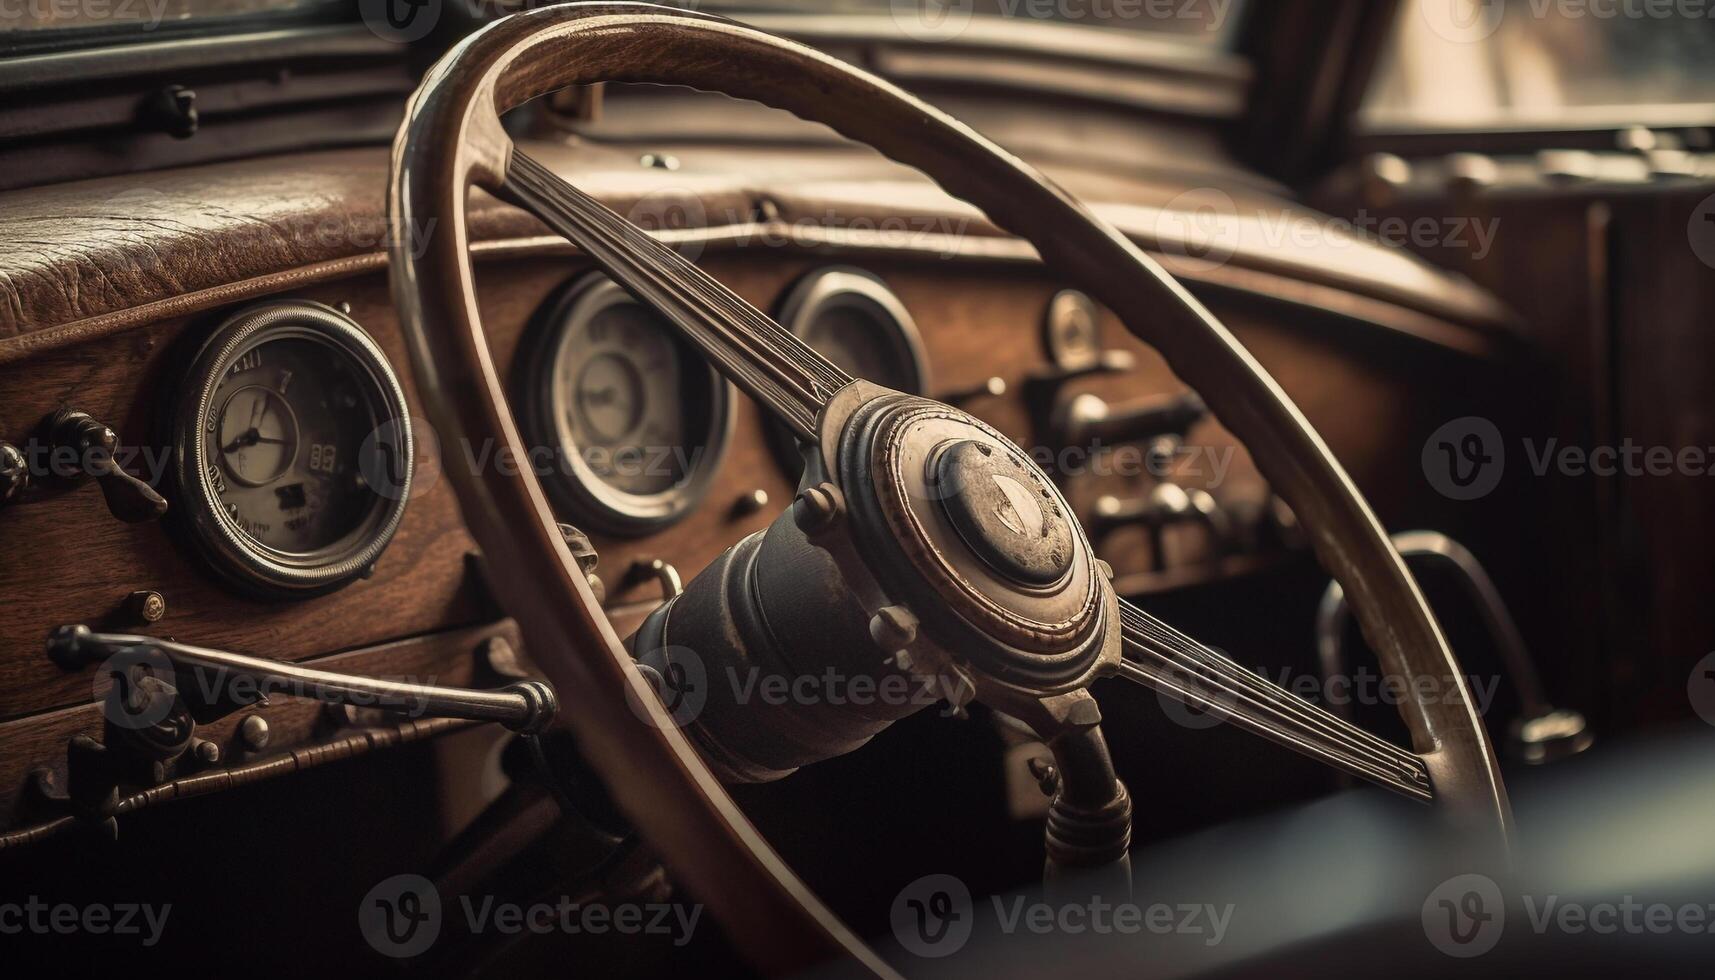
(850, 317)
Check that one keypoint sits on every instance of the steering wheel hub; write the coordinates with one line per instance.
(960, 524)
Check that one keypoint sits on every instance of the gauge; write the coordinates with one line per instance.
(292, 449)
(632, 419)
(850, 317)
(1072, 330)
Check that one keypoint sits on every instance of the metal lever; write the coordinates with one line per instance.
(1543, 733)
(1088, 419)
(128, 498)
(1166, 504)
(525, 707)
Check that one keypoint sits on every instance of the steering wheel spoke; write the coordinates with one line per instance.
(1160, 657)
(770, 363)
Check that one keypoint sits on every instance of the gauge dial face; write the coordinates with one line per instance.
(295, 448)
(291, 417)
(634, 419)
(619, 382)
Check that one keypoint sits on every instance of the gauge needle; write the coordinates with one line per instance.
(250, 437)
(257, 410)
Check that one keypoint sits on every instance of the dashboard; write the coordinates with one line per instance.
(252, 377)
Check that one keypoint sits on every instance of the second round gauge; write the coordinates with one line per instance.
(634, 420)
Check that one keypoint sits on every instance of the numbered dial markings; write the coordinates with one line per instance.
(283, 444)
(618, 388)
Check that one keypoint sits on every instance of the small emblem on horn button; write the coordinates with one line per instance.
(1016, 510)
(1004, 511)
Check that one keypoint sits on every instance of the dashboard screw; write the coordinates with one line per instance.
(146, 606)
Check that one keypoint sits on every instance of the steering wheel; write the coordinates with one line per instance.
(922, 543)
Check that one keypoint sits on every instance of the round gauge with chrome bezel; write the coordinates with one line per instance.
(850, 317)
(626, 421)
(292, 450)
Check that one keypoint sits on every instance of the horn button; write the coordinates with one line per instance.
(958, 523)
(1004, 512)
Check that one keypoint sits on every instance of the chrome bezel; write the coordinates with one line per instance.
(245, 562)
(840, 285)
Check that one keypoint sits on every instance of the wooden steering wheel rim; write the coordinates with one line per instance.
(452, 139)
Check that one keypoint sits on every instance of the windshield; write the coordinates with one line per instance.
(1190, 21)
(138, 15)
(1532, 63)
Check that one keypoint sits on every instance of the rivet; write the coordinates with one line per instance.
(817, 508)
(253, 732)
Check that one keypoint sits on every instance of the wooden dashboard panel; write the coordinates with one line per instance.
(66, 560)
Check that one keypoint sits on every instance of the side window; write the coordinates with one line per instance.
(1546, 63)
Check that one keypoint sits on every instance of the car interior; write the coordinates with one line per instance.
(843, 488)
